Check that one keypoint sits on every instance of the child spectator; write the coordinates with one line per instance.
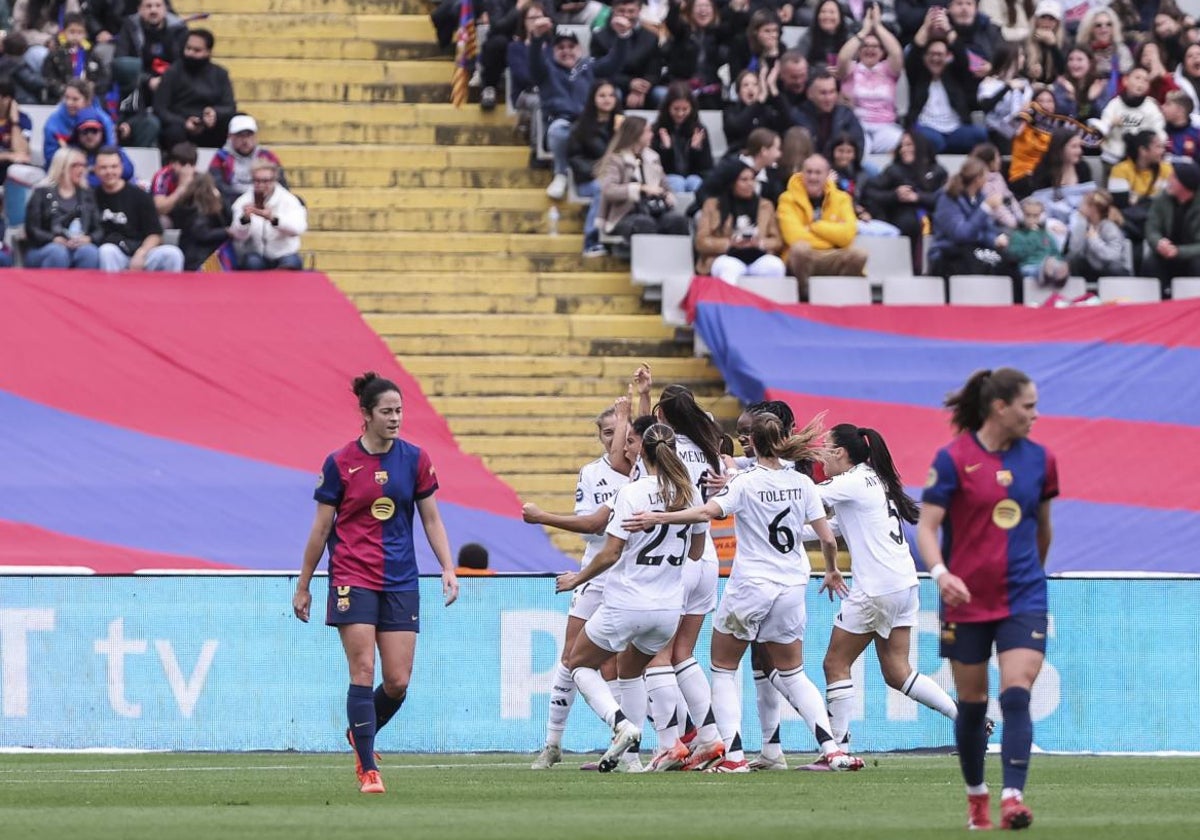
(1182, 126)
(1133, 110)
(72, 58)
(1008, 214)
(680, 142)
(1096, 246)
(169, 183)
(1034, 249)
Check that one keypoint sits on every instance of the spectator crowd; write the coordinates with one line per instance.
(1074, 126)
(125, 74)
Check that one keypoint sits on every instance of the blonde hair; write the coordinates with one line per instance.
(59, 165)
(766, 431)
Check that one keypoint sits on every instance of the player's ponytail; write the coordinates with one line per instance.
(868, 446)
(971, 404)
(679, 410)
(674, 481)
(768, 435)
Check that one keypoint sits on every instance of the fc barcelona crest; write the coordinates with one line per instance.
(1004, 477)
(381, 476)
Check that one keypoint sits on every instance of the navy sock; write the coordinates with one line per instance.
(386, 706)
(970, 731)
(360, 711)
(1017, 739)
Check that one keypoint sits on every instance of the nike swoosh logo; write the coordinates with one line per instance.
(1038, 635)
(353, 470)
(968, 468)
(364, 723)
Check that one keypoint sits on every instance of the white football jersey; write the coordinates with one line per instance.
(879, 554)
(598, 486)
(698, 468)
(649, 573)
(772, 508)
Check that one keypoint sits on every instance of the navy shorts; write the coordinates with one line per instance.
(971, 642)
(386, 610)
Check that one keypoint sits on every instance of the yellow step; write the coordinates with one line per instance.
(418, 199)
(264, 46)
(221, 8)
(409, 346)
(333, 260)
(304, 131)
(501, 385)
(404, 113)
(338, 70)
(433, 83)
(503, 283)
(329, 27)
(617, 372)
(468, 325)
(316, 175)
(411, 242)
(556, 488)
(573, 448)
(529, 426)
(502, 464)
(338, 156)
(418, 304)
(439, 221)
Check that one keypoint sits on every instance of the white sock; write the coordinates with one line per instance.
(614, 686)
(769, 714)
(633, 701)
(597, 694)
(839, 697)
(799, 690)
(694, 689)
(1012, 793)
(562, 695)
(726, 703)
(924, 690)
(664, 702)
(975, 790)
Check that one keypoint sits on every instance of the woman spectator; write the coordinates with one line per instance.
(1148, 56)
(1096, 246)
(698, 44)
(1169, 35)
(760, 47)
(590, 136)
(845, 159)
(493, 52)
(634, 197)
(522, 89)
(680, 142)
(76, 106)
(906, 192)
(62, 221)
(1014, 17)
(203, 221)
(1135, 181)
(738, 233)
(966, 238)
(1004, 94)
(823, 41)
(1100, 32)
(1008, 214)
(1187, 75)
(756, 106)
(1061, 173)
(1080, 92)
(1046, 48)
(868, 67)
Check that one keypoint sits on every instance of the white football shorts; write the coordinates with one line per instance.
(700, 586)
(587, 599)
(861, 614)
(763, 611)
(615, 629)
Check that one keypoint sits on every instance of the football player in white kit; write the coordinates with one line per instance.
(866, 493)
(765, 597)
(644, 593)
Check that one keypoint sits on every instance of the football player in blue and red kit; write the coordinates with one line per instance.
(365, 501)
(989, 492)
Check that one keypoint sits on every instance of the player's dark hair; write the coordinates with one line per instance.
(770, 442)
(641, 424)
(205, 36)
(727, 445)
(674, 481)
(681, 413)
(971, 404)
(473, 556)
(867, 446)
(370, 387)
(777, 407)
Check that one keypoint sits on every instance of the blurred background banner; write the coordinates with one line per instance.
(219, 663)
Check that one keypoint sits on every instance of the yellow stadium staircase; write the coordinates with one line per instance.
(431, 220)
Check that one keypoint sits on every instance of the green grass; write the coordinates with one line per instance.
(291, 796)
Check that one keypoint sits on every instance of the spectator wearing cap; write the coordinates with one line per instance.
(195, 100)
(1045, 51)
(564, 79)
(89, 139)
(132, 230)
(1173, 228)
(267, 223)
(147, 45)
(231, 165)
(76, 106)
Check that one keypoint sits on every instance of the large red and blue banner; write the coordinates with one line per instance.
(1119, 398)
(180, 422)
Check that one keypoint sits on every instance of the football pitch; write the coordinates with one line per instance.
(217, 796)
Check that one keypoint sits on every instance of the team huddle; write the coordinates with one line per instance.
(649, 576)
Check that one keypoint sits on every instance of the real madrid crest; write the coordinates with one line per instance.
(381, 476)
(383, 508)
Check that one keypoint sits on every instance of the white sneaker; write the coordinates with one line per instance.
(761, 762)
(626, 735)
(842, 762)
(547, 758)
(630, 763)
(558, 187)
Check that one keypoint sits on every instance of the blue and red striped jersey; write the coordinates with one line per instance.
(371, 544)
(989, 533)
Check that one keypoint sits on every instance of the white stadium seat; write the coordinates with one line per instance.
(1035, 295)
(776, 289)
(839, 291)
(920, 290)
(655, 257)
(1185, 288)
(981, 290)
(1130, 289)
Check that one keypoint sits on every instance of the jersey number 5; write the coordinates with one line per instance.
(645, 558)
(898, 535)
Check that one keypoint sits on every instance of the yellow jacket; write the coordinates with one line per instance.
(836, 227)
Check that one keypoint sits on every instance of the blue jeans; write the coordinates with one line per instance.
(257, 262)
(57, 255)
(557, 135)
(161, 258)
(683, 183)
(591, 190)
(958, 142)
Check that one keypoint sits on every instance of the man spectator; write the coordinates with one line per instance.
(642, 68)
(473, 561)
(232, 164)
(72, 57)
(89, 138)
(1173, 228)
(147, 45)
(793, 83)
(195, 101)
(28, 83)
(825, 117)
(564, 79)
(267, 224)
(132, 231)
(941, 89)
(170, 182)
(975, 36)
(818, 224)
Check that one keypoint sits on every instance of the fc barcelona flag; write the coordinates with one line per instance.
(464, 54)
